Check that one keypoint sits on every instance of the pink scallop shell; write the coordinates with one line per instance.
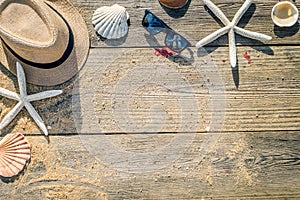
(14, 152)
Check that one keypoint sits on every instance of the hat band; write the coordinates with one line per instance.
(47, 65)
(54, 64)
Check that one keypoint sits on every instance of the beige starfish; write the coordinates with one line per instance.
(24, 100)
(231, 28)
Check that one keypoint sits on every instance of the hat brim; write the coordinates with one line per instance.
(74, 59)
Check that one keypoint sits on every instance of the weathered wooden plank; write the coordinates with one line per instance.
(267, 98)
(195, 23)
(239, 166)
(253, 155)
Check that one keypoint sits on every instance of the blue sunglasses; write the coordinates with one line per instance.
(173, 40)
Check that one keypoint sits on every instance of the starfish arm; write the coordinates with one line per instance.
(9, 94)
(21, 80)
(232, 48)
(36, 117)
(212, 36)
(251, 34)
(11, 115)
(44, 95)
(217, 12)
(241, 12)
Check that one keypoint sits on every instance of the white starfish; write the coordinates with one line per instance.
(230, 28)
(24, 100)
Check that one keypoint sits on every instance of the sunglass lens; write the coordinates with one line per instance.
(175, 41)
(153, 24)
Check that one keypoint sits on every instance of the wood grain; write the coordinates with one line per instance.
(194, 21)
(267, 97)
(241, 166)
(244, 142)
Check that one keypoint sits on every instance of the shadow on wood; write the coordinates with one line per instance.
(283, 32)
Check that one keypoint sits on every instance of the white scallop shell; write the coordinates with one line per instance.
(14, 152)
(111, 21)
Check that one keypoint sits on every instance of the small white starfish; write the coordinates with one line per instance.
(24, 100)
(230, 28)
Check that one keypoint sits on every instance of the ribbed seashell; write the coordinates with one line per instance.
(14, 152)
(111, 22)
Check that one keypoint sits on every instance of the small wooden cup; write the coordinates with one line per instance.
(173, 4)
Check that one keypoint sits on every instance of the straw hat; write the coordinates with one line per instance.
(49, 38)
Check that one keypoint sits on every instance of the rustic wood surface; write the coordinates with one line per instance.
(244, 143)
